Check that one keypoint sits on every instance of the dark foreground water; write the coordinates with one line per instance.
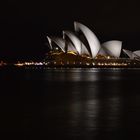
(70, 104)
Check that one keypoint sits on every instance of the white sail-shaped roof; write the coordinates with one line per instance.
(80, 47)
(70, 47)
(136, 53)
(74, 40)
(129, 53)
(61, 43)
(112, 48)
(50, 42)
(91, 38)
(84, 50)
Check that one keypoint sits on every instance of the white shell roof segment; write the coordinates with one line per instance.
(50, 42)
(76, 42)
(80, 47)
(61, 43)
(129, 53)
(137, 53)
(71, 48)
(112, 48)
(84, 50)
(91, 38)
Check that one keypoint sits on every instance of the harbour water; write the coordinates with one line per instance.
(70, 104)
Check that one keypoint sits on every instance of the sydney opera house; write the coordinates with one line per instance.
(83, 48)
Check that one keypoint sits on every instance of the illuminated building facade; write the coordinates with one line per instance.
(71, 42)
(82, 47)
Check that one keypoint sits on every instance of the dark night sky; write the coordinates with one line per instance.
(24, 25)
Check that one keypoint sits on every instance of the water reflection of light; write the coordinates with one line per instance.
(76, 109)
(79, 75)
(114, 105)
(74, 75)
(92, 114)
(96, 109)
(85, 113)
(84, 109)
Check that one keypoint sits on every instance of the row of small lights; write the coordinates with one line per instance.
(41, 63)
(68, 63)
(29, 63)
(46, 63)
(100, 64)
(112, 64)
